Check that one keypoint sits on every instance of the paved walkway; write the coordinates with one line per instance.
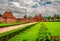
(5, 29)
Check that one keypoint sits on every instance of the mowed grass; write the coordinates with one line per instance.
(53, 27)
(30, 34)
(4, 24)
(8, 24)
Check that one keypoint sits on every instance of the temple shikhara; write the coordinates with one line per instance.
(38, 18)
(8, 18)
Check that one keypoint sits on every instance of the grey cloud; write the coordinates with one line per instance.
(25, 8)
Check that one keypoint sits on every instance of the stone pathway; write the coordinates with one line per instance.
(5, 29)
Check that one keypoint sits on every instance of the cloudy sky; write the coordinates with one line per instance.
(30, 7)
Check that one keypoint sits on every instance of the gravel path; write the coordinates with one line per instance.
(5, 29)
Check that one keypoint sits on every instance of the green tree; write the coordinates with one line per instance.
(30, 17)
(0, 15)
(57, 16)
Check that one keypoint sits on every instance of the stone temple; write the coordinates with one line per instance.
(7, 17)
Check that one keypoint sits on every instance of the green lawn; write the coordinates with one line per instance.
(7, 35)
(53, 27)
(41, 30)
(28, 35)
(8, 24)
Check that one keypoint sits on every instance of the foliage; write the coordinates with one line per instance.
(1, 15)
(55, 18)
(30, 17)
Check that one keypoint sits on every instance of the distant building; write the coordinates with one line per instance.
(34, 19)
(38, 18)
(24, 19)
(1, 19)
(7, 17)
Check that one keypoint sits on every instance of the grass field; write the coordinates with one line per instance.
(53, 27)
(40, 32)
(8, 24)
(28, 35)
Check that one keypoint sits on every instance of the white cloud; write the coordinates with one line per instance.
(23, 6)
(15, 3)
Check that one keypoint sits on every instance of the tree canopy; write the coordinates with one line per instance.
(1, 15)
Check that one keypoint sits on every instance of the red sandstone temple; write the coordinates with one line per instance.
(34, 19)
(38, 18)
(8, 18)
(24, 19)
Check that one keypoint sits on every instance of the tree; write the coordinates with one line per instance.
(1, 15)
(55, 16)
(30, 17)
